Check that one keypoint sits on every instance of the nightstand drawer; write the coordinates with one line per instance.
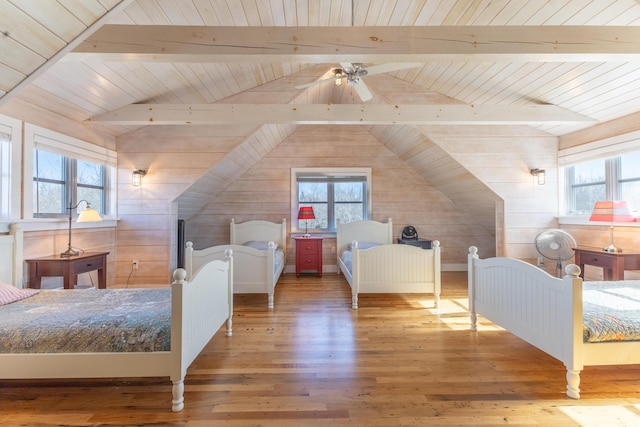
(597, 260)
(308, 248)
(308, 255)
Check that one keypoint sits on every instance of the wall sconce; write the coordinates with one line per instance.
(339, 75)
(540, 174)
(87, 215)
(136, 177)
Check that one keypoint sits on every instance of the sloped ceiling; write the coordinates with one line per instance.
(120, 66)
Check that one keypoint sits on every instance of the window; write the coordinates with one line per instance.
(53, 184)
(615, 178)
(64, 171)
(10, 165)
(336, 195)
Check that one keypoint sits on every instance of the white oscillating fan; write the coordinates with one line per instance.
(556, 245)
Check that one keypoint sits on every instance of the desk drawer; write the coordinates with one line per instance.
(86, 265)
(603, 260)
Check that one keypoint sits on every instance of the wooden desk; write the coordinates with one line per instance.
(613, 264)
(68, 268)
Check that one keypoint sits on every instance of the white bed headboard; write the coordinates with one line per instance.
(11, 256)
(363, 231)
(259, 231)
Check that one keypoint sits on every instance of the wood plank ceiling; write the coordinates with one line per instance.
(574, 61)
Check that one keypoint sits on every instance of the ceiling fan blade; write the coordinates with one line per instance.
(387, 68)
(363, 91)
(317, 82)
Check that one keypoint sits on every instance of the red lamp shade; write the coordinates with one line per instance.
(612, 211)
(306, 212)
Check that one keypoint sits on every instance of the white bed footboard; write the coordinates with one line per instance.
(543, 310)
(198, 309)
(256, 271)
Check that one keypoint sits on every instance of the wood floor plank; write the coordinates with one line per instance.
(314, 361)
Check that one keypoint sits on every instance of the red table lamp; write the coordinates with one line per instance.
(306, 213)
(612, 211)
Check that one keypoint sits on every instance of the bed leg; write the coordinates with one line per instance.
(354, 301)
(270, 300)
(436, 301)
(177, 404)
(474, 321)
(573, 384)
(229, 327)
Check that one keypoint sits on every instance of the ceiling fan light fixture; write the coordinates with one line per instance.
(339, 74)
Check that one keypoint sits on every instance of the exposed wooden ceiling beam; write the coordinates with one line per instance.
(168, 43)
(232, 114)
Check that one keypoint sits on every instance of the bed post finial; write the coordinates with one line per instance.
(473, 251)
(572, 270)
(179, 275)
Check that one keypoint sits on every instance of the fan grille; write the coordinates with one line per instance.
(555, 244)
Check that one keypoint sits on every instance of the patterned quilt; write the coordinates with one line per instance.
(611, 311)
(94, 320)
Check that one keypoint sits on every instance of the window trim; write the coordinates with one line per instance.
(295, 172)
(14, 128)
(609, 150)
(48, 140)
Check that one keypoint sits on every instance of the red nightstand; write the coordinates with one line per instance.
(308, 255)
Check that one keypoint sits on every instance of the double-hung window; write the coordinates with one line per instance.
(336, 195)
(60, 182)
(65, 171)
(612, 178)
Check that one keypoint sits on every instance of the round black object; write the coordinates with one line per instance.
(409, 233)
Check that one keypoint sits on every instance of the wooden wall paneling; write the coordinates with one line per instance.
(398, 190)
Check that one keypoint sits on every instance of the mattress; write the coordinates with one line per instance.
(94, 320)
(611, 311)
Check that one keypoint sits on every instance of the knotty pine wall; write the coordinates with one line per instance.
(397, 192)
(501, 157)
(55, 239)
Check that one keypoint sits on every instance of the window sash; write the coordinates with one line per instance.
(70, 188)
(328, 207)
(46, 140)
(613, 186)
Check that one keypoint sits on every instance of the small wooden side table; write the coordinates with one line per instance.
(308, 255)
(68, 268)
(613, 263)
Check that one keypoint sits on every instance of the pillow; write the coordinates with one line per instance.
(366, 245)
(256, 244)
(9, 294)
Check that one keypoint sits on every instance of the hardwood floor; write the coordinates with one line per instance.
(313, 361)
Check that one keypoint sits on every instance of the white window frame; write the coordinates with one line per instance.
(10, 165)
(48, 140)
(604, 149)
(295, 172)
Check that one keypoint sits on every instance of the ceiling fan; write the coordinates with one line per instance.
(353, 72)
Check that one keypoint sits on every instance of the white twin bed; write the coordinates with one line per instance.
(259, 249)
(372, 263)
(195, 311)
(575, 322)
